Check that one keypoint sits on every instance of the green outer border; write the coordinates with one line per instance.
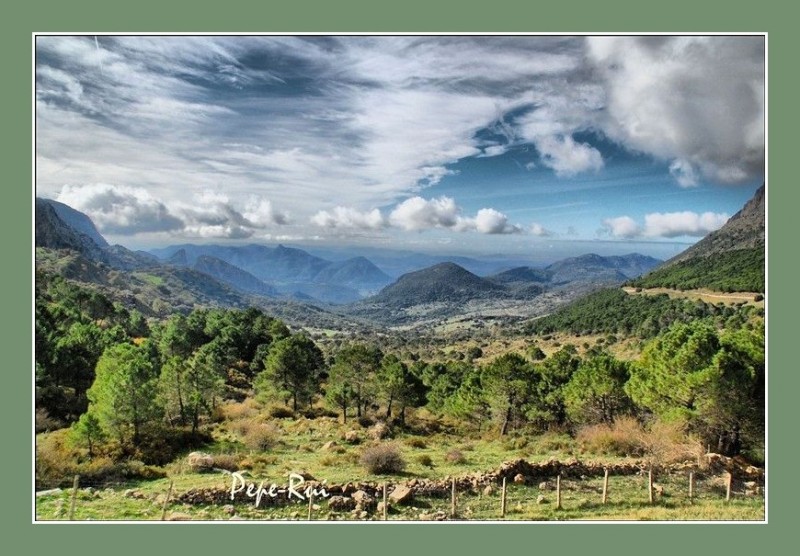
(361, 16)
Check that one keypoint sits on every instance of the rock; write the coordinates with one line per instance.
(543, 485)
(329, 446)
(379, 431)
(541, 499)
(363, 500)
(229, 509)
(341, 503)
(658, 489)
(51, 492)
(488, 491)
(380, 507)
(236, 518)
(176, 516)
(352, 437)
(133, 493)
(401, 494)
(362, 515)
(200, 462)
(295, 515)
(519, 478)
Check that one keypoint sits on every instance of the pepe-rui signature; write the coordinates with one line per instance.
(293, 489)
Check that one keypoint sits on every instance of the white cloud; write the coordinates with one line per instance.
(349, 218)
(683, 172)
(491, 221)
(567, 157)
(119, 209)
(417, 214)
(668, 224)
(622, 226)
(539, 230)
(697, 99)
(686, 223)
(263, 214)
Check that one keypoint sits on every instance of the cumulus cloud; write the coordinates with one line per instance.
(567, 157)
(698, 100)
(668, 224)
(491, 221)
(417, 214)
(263, 214)
(349, 218)
(121, 210)
(686, 223)
(621, 226)
(683, 172)
(539, 230)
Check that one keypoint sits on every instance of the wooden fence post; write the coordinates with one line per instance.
(384, 501)
(558, 492)
(691, 486)
(605, 485)
(503, 500)
(74, 497)
(650, 483)
(310, 504)
(728, 485)
(453, 499)
(166, 501)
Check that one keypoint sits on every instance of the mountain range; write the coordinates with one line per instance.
(290, 279)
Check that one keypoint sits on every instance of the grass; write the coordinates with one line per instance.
(296, 448)
(580, 499)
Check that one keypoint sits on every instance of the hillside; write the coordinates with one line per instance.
(233, 276)
(442, 283)
(730, 259)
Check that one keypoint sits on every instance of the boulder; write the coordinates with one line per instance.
(200, 462)
(401, 494)
(519, 478)
(329, 446)
(363, 500)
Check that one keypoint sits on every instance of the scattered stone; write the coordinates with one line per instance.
(200, 462)
(543, 485)
(229, 509)
(401, 494)
(519, 478)
(177, 516)
(236, 518)
(541, 499)
(658, 489)
(133, 493)
(329, 446)
(488, 491)
(363, 500)
(341, 503)
(295, 515)
(362, 514)
(380, 507)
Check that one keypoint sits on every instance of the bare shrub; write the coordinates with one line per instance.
(280, 412)
(228, 462)
(260, 436)
(382, 459)
(622, 438)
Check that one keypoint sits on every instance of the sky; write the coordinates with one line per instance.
(463, 144)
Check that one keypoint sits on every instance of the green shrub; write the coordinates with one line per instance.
(416, 442)
(382, 459)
